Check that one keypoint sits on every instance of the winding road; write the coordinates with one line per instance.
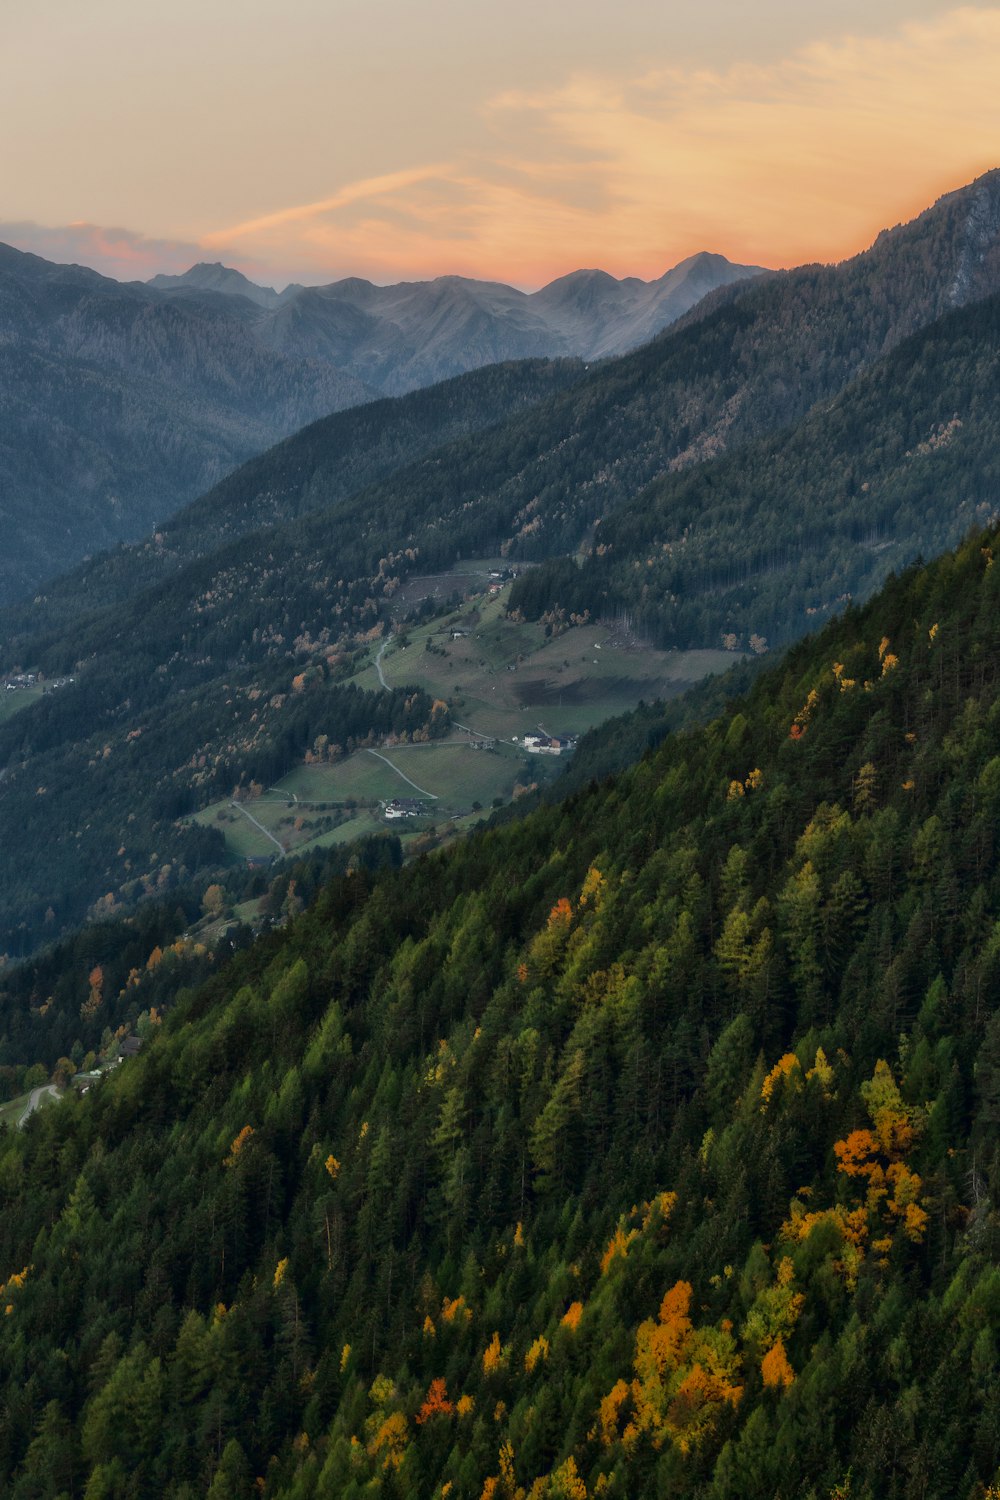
(432, 795)
(265, 831)
(381, 674)
(35, 1100)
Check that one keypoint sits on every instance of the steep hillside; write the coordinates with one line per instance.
(315, 470)
(106, 363)
(146, 395)
(120, 404)
(747, 364)
(230, 670)
(645, 1146)
(771, 539)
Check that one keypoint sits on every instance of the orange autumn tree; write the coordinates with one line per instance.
(436, 1403)
(95, 998)
(888, 1191)
(547, 947)
(774, 1367)
(876, 1156)
(684, 1378)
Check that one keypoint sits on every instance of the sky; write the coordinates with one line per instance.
(513, 140)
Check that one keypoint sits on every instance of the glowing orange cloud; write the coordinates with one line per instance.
(800, 160)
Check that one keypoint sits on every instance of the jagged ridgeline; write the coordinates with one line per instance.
(646, 1146)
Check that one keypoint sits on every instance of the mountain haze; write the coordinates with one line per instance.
(214, 277)
(120, 404)
(222, 670)
(146, 394)
(747, 362)
(414, 333)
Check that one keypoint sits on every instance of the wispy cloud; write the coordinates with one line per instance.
(801, 159)
(804, 158)
(367, 190)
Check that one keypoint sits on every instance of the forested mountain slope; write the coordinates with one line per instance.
(120, 404)
(315, 470)
(646, 1146)
(742, 366)
(124, 401)
(184, 692)
(780, 532)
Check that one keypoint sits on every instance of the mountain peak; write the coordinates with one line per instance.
(213, 276)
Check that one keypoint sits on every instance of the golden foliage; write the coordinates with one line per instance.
(15, 1281)
(783, 1068)
(821, 1070)
(805, 713)
(593, 888)
(571, 1317)
(455, 1309)
(237, 1146)
(618, 1245)
(389, 1441)
(539, 1352)
(684, 1377)
(279, 1272)
(774, 1367)
(609, 1412)
(332, 1166)
(564, 1484)
(493, 1355)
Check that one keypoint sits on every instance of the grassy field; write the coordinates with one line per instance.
(12, 703)
(360, 777)
(242, 839)
(502, 678)
(505, 678)
(452, 775)
(11, 1112)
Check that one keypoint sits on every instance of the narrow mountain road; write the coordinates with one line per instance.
(35, 1100)
(432, 795)
(378, 665)
(265, 831)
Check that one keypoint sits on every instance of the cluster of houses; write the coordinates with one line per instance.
(548, 744)
(498, 577)
(403, 807)
(19, 682)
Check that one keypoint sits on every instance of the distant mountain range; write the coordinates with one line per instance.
(122, 402)
(400, 337)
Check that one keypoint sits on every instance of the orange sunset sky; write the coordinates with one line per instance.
(510, 140)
